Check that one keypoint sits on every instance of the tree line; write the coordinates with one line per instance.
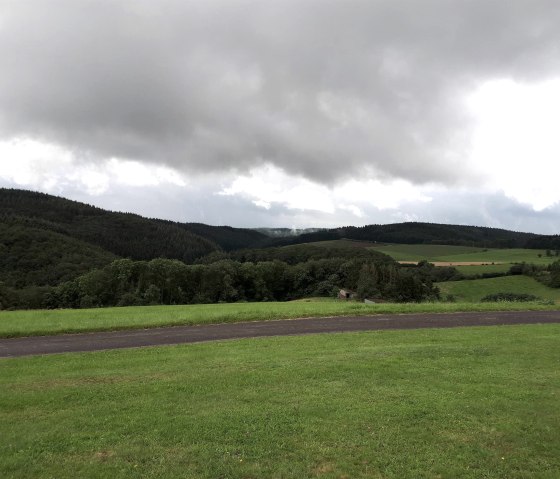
(162, 281)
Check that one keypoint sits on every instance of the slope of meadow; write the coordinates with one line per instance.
(445, 253)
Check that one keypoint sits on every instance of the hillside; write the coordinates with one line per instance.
(227, 237)
(122, 234)
(429, 233)
(35, 256)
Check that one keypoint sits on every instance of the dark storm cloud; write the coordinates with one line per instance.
(319, 88)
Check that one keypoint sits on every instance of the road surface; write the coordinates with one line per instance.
(193, 334)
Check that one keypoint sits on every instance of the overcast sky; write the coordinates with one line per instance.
(287, 113)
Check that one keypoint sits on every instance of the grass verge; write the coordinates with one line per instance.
(49, 322)
(469, 403)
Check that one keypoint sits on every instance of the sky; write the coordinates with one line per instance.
(287, 113)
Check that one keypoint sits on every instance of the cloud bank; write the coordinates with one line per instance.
(325, 90)
(287, 113)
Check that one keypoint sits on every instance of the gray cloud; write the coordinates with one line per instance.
(321, 89)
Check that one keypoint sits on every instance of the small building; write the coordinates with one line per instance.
(346, 294)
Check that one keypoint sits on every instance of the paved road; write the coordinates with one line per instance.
(193, 334)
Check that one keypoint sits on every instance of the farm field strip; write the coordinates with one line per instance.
(470, 403)
(460, 255)
(487, 268)
(463, 254)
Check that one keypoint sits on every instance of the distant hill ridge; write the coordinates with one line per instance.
(431, 233)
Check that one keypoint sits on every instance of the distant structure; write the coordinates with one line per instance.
(346, 294)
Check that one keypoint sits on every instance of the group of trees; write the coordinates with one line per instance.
(162, 281)
(546, 274)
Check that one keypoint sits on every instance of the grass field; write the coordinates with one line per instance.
(38, 322)
(402, 252)
(447, 253)
(470, 403)
(474, 290)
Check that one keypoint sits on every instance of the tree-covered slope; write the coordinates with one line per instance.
(121, 234)
(299, 253)
(226, 237)
(34, 256)
(424, 233)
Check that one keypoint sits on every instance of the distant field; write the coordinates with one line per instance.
(463, 254)
(448, 253)
(344, 243)
(474, 290)
(470, 403)
(487, 268)
(413, 252)
(37, 322)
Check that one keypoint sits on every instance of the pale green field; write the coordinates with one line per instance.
(449, 253)
(474, 290)
(403, 252)
(38, 322)
(467, 403)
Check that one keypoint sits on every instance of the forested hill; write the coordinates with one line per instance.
(122, 234)
(426, 233)
(226, 237)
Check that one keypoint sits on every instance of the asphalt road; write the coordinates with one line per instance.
(66, 343)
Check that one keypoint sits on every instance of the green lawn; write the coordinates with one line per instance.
(470, 403)
(36, 322)
(475, 290)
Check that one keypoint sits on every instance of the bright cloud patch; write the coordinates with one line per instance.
(516, 145)
(269, 185)
(50, 168)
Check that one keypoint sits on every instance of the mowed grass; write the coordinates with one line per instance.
(469, 403)
(475, 290)
(39, 322)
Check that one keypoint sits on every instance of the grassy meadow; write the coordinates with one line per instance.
(502, 258)
(443, 253)
(483, 268)
(475, 290)
(59, 321)
(469, 403)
